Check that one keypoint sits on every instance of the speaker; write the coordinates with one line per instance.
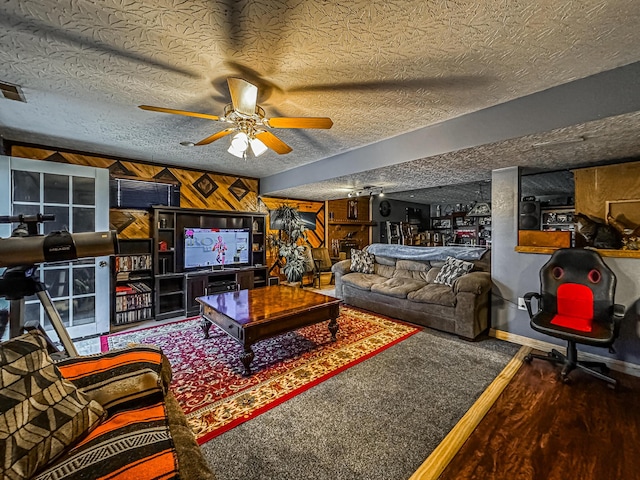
(529, 215)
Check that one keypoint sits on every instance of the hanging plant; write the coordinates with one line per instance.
(289, 241)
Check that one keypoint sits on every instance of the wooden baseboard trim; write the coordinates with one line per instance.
(612, 363)
(442, 455)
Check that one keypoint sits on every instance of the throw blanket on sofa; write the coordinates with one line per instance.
(408, 252)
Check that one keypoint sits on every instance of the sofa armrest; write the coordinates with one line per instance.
(120, 378)
(339, 269)
(473, 282)
(342, 267)
(191, 462)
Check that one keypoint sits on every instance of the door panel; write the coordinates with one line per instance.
(78, 196)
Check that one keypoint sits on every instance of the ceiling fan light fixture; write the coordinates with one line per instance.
(257, 147)
(239, 145)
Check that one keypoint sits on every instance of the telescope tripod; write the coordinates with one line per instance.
(19, 282)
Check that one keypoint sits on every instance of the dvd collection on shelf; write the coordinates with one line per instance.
(133, 292)
(129, 263)
(133, 316)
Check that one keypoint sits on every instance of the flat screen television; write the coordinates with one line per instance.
(216, 247)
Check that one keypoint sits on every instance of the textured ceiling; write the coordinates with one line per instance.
(377, 68)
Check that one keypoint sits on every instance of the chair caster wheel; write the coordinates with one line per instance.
(528, 358)
(565, 379)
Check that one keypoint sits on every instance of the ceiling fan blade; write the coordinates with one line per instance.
(215, 137)
(300, 122)
(244, 95)
(273, 142)
(179, 112)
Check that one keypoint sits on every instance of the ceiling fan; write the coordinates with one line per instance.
(250, 125)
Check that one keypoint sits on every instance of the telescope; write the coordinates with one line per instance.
(55, 247)
(25, 248)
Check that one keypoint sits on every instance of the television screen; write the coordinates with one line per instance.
(308, 220)
(212, 247)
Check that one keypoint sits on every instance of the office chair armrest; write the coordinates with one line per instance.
(527, 301)
(618, 310)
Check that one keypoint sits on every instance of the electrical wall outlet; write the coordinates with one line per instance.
(521, 304)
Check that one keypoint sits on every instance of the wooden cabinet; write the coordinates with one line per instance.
(177, 287)
(244, 280)
(349, 225)
(170, 298)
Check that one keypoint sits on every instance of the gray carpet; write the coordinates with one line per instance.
(377, 420)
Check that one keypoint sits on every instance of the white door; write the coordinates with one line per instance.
(78, 196)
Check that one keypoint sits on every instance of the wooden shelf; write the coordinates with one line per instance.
(602, 252)
(357, 223)
(132, 268)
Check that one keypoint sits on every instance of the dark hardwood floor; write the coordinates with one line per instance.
(540, 428)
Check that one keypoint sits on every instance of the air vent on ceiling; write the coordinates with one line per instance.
(12, 92)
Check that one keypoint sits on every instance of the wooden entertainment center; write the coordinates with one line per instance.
(175, 287)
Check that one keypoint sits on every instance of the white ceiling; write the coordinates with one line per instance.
(409, 84)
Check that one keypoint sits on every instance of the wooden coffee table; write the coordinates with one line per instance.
(252, 315)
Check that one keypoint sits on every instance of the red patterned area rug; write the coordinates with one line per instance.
(207, 373)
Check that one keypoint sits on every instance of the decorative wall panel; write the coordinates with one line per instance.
(315, 238)
(595, 186)
(218, 192)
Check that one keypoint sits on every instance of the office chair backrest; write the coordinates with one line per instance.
(576, 283)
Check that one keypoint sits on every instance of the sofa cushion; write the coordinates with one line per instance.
(434, 293)
(433, 274)
(389, 261)
(384, 270)
(412, 269)
(41, 413)
(363, 281)
(121, 376)
(361, 261)
(397, 287)
(451, 270)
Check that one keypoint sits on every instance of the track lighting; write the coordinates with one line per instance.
(366, 190)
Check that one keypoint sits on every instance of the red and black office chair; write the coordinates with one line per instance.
(576, 304)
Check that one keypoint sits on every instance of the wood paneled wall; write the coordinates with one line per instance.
(595, 186)
(227, 192)
(315, 238)
(198, 189)
(340, 225)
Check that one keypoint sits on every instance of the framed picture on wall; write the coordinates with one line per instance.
(352, 209)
